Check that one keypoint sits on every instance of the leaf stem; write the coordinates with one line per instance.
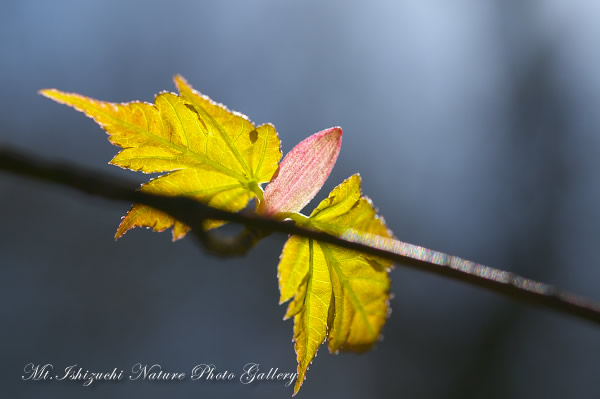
(257, 190)
(297, 217)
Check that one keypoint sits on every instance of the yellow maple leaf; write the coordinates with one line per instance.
(337, 293)
(209, 152)
(219, 157)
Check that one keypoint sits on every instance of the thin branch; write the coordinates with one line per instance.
(193, 213)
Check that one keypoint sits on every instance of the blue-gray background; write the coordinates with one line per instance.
(473, 123)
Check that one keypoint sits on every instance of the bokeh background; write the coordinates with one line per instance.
(474, 125)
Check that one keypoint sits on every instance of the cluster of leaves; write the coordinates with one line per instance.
(219, 157)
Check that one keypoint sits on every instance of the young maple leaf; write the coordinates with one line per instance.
(219, 157)
(210, 153)
(337, 293)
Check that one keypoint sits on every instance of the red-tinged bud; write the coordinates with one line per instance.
(302, 173)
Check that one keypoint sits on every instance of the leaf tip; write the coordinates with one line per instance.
(182, 85)
(121, 230)
(335, 132)
(45, 92)
(177, 78)
(299, 382)
(52, 94)
(119, 234)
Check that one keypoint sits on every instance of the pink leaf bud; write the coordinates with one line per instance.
(302, 172)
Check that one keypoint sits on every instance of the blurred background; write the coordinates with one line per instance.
(473, 124)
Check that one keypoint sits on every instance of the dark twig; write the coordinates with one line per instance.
(193, 213)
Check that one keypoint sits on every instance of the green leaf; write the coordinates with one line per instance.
(207, 151)
(338, 293)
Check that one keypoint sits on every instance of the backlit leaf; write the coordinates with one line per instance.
(302, 173)
(217, 156)
(209, 152)
(338, 293)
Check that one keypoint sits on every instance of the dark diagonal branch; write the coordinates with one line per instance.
(193, 213)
